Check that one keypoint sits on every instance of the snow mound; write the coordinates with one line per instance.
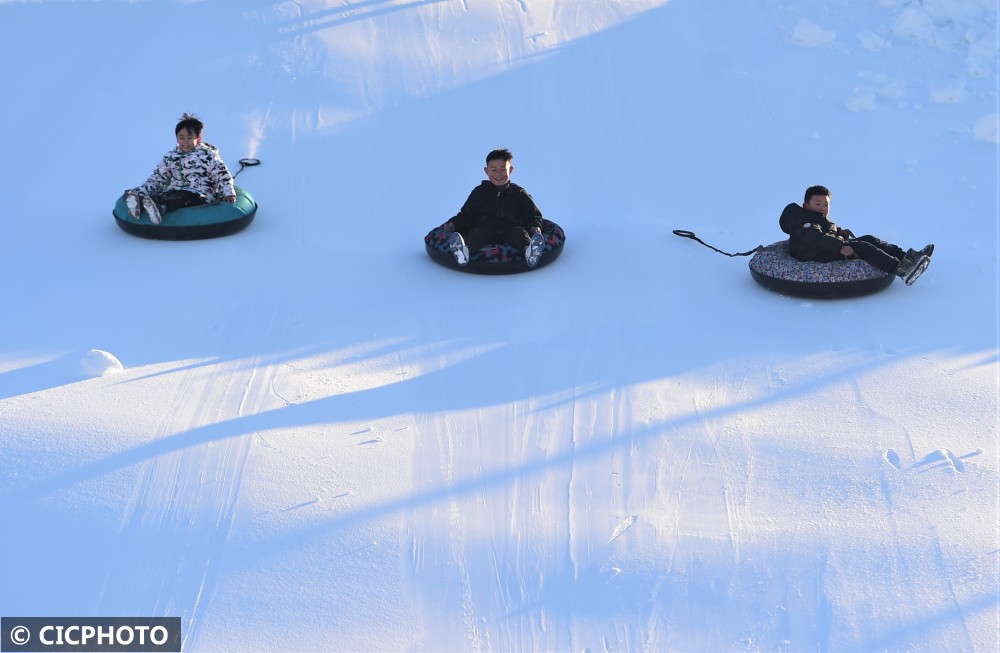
(967, 26)
(871, 41)
(949, 91)
(100, 363)
(987, 128)
(811, 35)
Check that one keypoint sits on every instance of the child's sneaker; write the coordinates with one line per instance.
(456, 245)
(533, 251)
(132, 203)
(912, 266)
(152, 210)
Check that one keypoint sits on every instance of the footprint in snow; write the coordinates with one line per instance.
(892, 458)
(622, 527)
(944, 458)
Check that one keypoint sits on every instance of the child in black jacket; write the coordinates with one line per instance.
(814, 237)
(497, 211)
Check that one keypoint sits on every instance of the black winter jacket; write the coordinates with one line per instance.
(812, 237)
(498, 209)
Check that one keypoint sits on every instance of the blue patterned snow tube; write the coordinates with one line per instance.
(776, 269)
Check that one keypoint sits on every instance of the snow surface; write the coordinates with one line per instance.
(321, 440)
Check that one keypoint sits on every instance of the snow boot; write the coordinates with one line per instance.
(533, 251)
(152, 210)
(133, 203)
(912, 266)
(927, 251)
(456, 245)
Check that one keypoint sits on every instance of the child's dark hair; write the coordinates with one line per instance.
(190, 122)
(812, 191)
(502, 154)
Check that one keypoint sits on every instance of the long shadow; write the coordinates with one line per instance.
(246, 359)
(475, 484)
(355, 12)
(917, 632)
(731, 600)
(458, 387)
(60, 371)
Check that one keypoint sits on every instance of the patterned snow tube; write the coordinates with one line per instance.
(775, 269)
(496, 259)
(193, 223)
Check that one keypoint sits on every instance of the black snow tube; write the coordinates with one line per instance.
(495, 259)
(776, 269)
(193, 223)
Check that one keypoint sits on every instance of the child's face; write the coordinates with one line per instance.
(498, 171)
(186, 141)
(820, 204)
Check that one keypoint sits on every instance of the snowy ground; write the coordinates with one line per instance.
(320, 440)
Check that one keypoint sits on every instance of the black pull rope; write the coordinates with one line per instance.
(690, 234)
(246, 163)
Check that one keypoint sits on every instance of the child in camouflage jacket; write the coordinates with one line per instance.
(192, 173)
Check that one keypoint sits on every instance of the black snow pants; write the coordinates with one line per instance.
(878, 253)
(476, 237)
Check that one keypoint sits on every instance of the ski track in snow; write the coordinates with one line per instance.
(514, 566)
(528, 583)
(187, 500)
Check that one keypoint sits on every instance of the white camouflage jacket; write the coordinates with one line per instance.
(201, 171)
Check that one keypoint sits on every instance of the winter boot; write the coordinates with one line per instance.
(912, 266)
(152, 210)
(456, 245)
(927, 251)
(533, 251)
(133, 203)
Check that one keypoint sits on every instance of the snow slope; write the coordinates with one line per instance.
(308, 437)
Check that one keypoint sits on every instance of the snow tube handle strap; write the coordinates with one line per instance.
(690, 234)
(246, 163)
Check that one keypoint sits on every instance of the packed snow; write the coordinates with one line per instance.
(98, 363)
(309, 437)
